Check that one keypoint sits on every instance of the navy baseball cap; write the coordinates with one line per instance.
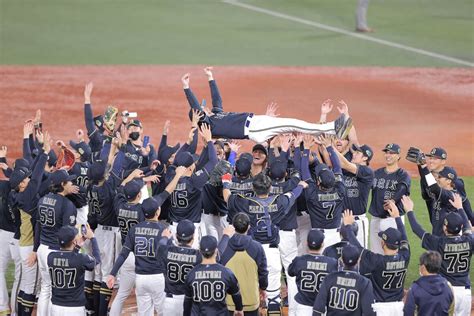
(21, 162)
(438, 152)
(96, 171)
(391, 236)
(208, 244)
(247, 156)
(18, 175)
(278, 170)
(66, 234)
(166, 152)
(82, 148)
(219, 143)
(453, 222)
(326, 178)
(184, 158)
(150, 206)
(365, 150)
(315, 238)
(243, 167)
(448, 173)
(60, 176)
(135, 122)
(392, 148)
(261, 148)
(99, 121)
(185, 228)
(132, 188)
(350, 255)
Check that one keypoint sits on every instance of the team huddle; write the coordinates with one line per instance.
(222, 232)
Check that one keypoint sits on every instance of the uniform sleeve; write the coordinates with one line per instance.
(188, 298)
(410, 305)
(304, 166)
(200, 177)
(430, 242)
(127, 247)
(347, 232)
(88, 262)
(364, 174)
(319, 307)
(415, 227)
(69, 214)
(292, 268)
(368, 261)
(368, 299)
(95, 250)
(262, 269)
(216, 97)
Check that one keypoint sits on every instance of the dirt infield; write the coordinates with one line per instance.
(423, 107)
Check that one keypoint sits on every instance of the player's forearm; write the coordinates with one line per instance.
(172, 185)
(349, 235)
(305, 174)
(223, 243)
(120, 260)
(187, 306)
(336, 166)
(226, 194)
(95, 250)
(37, 235)
(466, 224)
(232, 158)
(402, 190)
(211, 151)
(415, 227)
(466, 205)
(430, 180)
(216, 97)
(192, 100)
(193, 145)
(237, 298)
(401, 228)
(89, 118)
(38, 172)
(27, 150)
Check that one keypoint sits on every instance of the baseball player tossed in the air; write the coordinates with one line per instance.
(325, 196)
(358, 178)
(431, 294)
(390, 184)
(66, 269)
(388, 271)
(455, 249)
(258, 128)
(55, 210)
(310, 270)
(266, 213)
(345, 292)
(208, 284)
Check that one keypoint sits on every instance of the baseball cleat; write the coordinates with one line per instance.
(342, 126)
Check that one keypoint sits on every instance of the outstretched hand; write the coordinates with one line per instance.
(456, 202)
(272, 109)
(348, 217)
(407, 203)
(326, 107)
(343, 108)
(208, 72)
(205, 131)
(87, 92)
(185, 80)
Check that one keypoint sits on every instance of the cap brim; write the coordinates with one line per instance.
(71, 177)
(391, 151)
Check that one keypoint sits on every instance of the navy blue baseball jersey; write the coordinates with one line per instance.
(96, 137)
(66, 269)
(213, 200)
(143, 239)
(54, 212)
(289, 221)
(178, 261)
(102, 200)
(6, 216)
(265, 213)
(310, 271)
(134, 158)
(128, 214)
(388, 186)
(344, 293)
(242, 186)
(207, 286)
(358, 188)
(80, 171)
(335, 251)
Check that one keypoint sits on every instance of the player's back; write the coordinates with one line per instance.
(212, 200)
(325, 206)
(358, 188)
(242, 186)
(186, 201)
(80, 171)
(128, 214)
(178, 261)
(208, 285)
(335, 251)
(229, 124)
(310, 271)
(67, 269)
(344, 293)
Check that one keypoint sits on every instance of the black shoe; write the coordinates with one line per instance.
(342, 126)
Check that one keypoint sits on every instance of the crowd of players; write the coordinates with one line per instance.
(217, 233)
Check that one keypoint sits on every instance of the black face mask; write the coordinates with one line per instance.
(134, 135)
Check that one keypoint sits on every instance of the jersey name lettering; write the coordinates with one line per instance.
(61, 262)
(328, 197)
(457, 247)
(181, 257)
(208, 274)
(395, 265)
(49, 201)
(321, 266)
(147, 231)
(346, 282)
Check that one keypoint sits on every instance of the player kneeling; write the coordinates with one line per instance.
(67, 268)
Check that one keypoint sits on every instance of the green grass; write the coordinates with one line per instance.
(212, 32)
(415, 242)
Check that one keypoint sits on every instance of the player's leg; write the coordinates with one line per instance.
(28, 281)
(223, 223)
(361, 15)
(67, 311)
(304, 226)
(44, 298)
(363, 231)
(462, 300)
(15, 254)
(127, 282)
(107, 248)
(304, 310)
(5, 257)
(288, 251)
(173, 305)
(82, 214)
(197, 235)
(274, 280)
(88, 281)
(331, 237)
(144, 299)
(375, 245)
(158, 292)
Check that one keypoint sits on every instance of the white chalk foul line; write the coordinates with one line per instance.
(348, 33)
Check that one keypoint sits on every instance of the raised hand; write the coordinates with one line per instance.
(185, 80)
(180, 171)
(308, 141)
(145, 150)
(208, 72)
(3, 166)
(285, 141)
(272, 109)
(343, 108)
(456, 202)
(392, 209)
(234, 146)
(325, 140)
(326, 107)
(87, 92)
(28, 129)
(155, 164)
(348, 217)
(3, 151)
(205, 132)
(166, 127)
(37, 119)
(166, 233)
(80, 135)
(229, 231)
(197, 116)
(154, 178)
(407, 203)
(47, 142)
(303, 184)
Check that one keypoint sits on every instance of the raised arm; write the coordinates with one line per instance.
(346, 230)
(201, 176)
(27, 132)
(215, 95)
(408, 207)
(192, 100)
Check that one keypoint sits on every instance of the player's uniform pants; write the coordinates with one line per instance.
(213, 225)
(81, 218)
(197, 233)
(127, 282)
(363, 232)
(57, 310)
(303, 310)
(288, 251)
(274, 277)
(108, 239)
(44, 299)
(388, 309)
(462, 300)
(150, 294)
(361, 14)
(331, 237)
(29, 278)
(377, 225)
(304, 226)
(173, 305)
(259, 128)
(8, 251)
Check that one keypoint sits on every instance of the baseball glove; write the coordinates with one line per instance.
(110, 118)
(66, 158)
(415, 155)
(222, 167)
